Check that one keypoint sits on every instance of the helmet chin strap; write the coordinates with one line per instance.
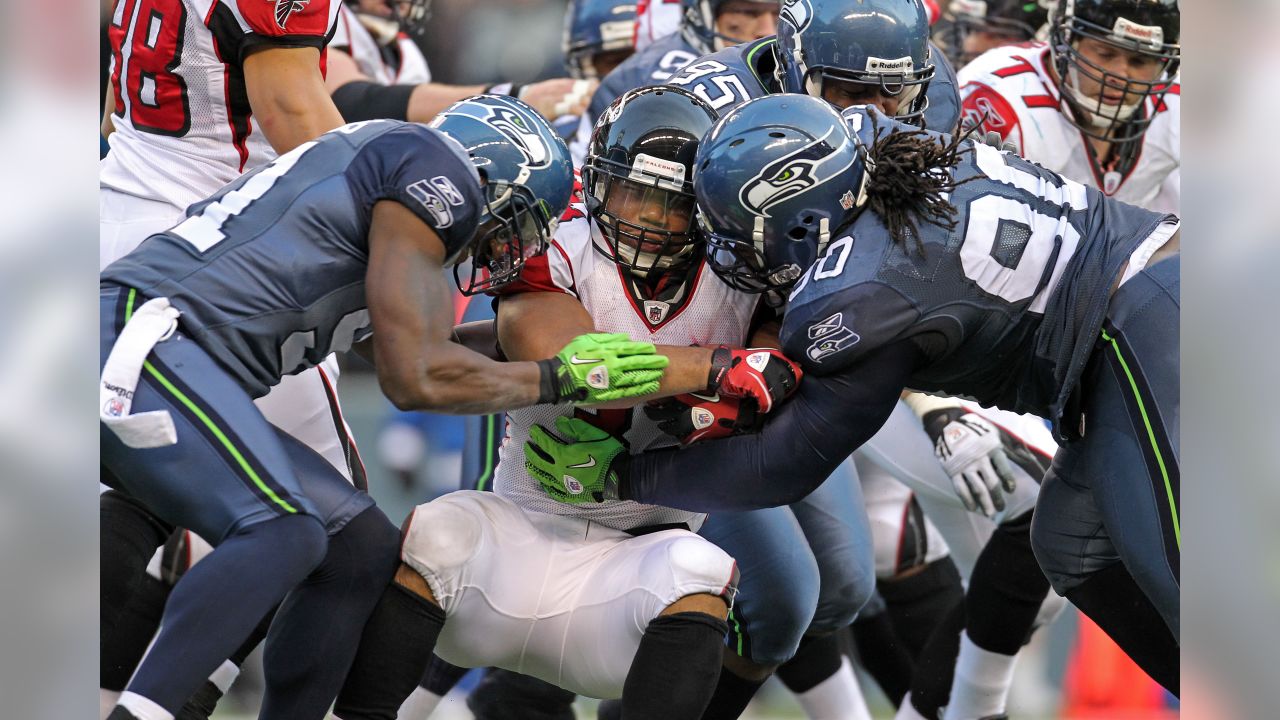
(1100, 114)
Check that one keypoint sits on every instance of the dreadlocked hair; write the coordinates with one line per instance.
(907, 173)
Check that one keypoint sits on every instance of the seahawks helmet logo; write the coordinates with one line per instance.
(523, 134)
(796, 12)
(796, 173)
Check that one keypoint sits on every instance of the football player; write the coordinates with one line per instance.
(204, 317)
(1098, 103)
(972, 27)
(375, 69)
(879, 55)
(951, 236)
(706, 26)
(200, 91)
(629, 261)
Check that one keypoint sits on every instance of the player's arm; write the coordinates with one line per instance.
(534, 325)
(288, 95)
(419, 368)
(800, 445)
(359, 97)
(108, 107)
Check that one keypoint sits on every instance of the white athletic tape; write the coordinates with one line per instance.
(151, 323)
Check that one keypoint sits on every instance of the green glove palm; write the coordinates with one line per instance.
(584, 468)
(601, 367)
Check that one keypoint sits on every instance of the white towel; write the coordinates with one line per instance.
(153, 322)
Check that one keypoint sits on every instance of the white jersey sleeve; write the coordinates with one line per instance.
(1010, 91)
(183, 124)
(704, 311)
(656, 19)
(354, 38)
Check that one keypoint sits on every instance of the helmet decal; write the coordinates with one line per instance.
(515, 128)
(796, 12)
(797, 172)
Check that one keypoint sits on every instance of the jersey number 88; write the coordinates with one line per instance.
(156, 95)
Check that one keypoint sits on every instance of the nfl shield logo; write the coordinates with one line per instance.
(846, 200)
(655, 311)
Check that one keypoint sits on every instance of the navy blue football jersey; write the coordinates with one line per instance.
(655, 65)
(732, 76)
(269, 272)
(1007, 305)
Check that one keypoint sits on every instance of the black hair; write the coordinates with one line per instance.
(907, 173)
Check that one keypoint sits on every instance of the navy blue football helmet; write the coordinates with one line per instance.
(1151, 28)
(596, 26)
(775, 178)
(527, 177)
(699, 25)
(884, 43)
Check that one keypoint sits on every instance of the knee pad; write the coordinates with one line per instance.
(697, 566)
(440, 538)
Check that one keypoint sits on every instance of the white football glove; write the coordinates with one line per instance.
(972, 453)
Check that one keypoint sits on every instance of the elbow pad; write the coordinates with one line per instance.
(363, 100)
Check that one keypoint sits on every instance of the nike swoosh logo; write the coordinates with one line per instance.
(575, 360)
(590, 463)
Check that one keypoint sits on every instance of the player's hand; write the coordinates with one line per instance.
(690, 418)
(972, 453)
(560, 96)
(762, 374)
(993, 139)
(585, 467)
(601, 367)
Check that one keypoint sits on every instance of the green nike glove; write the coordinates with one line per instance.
(584, 468)
(601, 367)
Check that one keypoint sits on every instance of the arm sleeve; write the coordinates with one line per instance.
(289, 23)
(800, 445)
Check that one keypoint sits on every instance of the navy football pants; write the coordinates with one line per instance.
(1112, 496)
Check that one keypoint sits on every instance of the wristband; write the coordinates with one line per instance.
(548, 382)
(363, 100)
(721, 361)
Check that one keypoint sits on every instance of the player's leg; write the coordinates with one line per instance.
(776, 600)
(1126, 468)
(228, 478)
(316, 631)
(507, 695)
(834, 521)
(875, 644)
(982, 666)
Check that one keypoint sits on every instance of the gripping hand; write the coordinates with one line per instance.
(690, 418)
(762, 374)
(585, 467)
(600, 367)
(972, 452)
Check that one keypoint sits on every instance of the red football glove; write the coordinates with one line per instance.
(762, 374)
(690, 418)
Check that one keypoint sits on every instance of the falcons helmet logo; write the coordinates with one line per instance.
(286, 8)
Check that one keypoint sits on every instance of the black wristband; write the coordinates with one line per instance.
(548, 383)
(362, 100)
(935, 420)
(515, 90)
(721, 361)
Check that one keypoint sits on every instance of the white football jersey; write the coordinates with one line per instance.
(183, 126)
(704, 312)
(1011, 88)
(656, 19)
(352, 37)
